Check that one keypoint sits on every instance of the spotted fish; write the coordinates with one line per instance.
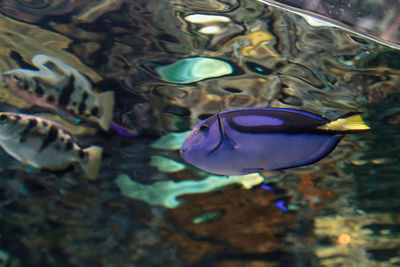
(249, 140)
(45, 144)
(58, 86)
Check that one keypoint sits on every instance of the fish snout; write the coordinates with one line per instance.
(182, 150)
(6, 77)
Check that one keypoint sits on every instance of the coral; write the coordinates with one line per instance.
(164, 193)
(171, 141)
(164, 164)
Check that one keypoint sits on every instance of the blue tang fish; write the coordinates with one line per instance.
(248, 140)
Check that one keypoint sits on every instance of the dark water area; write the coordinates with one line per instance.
(171, 64)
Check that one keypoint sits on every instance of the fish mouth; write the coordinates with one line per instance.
(182, 150)
(6, 77)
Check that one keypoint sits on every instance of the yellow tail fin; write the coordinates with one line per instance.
(351, 123)
(91, 166)
(107, 109)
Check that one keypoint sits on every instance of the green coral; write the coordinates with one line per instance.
(165, 193)
(164, 164)
(171, 141)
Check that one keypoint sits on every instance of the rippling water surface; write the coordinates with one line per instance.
(170, 65)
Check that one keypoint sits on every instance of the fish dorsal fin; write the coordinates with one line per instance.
(224, 137)
(221, 126)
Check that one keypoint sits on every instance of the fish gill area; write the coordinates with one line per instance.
(170, 65)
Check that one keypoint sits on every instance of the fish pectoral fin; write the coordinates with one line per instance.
(91, 166)
(350, 122)
(223, 139)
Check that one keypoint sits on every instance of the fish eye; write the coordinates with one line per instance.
(203, 128)
(15, 78)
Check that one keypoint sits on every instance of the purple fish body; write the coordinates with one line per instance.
(249, 140)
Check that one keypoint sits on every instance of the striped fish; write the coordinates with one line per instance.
(45, 144)
(58, 86)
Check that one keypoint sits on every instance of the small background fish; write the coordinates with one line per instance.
(58, 86)
(43, 143)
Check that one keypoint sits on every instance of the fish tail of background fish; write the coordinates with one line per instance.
(349, 123)
(91, 166)
(107, 107)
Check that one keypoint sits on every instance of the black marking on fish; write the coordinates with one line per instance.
(26, 86)
(22, 138)
(31, 123)
(95, 111)
(51, 99)
(39, 91)
(61, 171)
(51, 137)
(53, 67)
(82, 105)
(3, 117)
(69, 145)
(293, 122)
(81, 154)
(66, 92)
(44, 124)
(17, 117)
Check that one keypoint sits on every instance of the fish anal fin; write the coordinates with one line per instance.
(91, 165)
(107, 109)
(352, 122)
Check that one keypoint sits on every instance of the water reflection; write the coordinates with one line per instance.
(356, 16)
(345, 205)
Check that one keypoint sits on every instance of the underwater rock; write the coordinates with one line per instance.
(165, 193)
(248, 225)
(194, 69)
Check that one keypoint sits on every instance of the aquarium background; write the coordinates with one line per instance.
(147, 207)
